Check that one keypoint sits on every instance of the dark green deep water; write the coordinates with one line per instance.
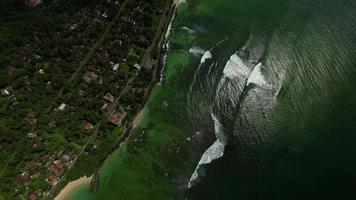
(290, 133)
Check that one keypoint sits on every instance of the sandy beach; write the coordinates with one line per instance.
(177, 2)
(72, 187)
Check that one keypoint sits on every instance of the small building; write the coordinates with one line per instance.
(109, 97)
(104, 106)
(33, 2)
(88, 126)
(116, 117)
(90, 76)
(31, 135)
(52, 180)
(11, 70)
(22, 177)
(116, 67)
(107, 108)
(5, 92)
(30, 119)
(62, 106)
(137, 66)
(32, 197)
(143, 41)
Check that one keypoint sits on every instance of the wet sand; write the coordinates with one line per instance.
(72, 187)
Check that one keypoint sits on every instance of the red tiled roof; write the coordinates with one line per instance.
(114, 119)
(52, 180)
(32, 197)
(22, 178)
(88, 126)
(109, 97)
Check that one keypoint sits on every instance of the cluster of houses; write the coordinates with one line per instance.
(55, 165)
(116, 116)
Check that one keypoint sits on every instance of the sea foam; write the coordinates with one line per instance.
(235, 68)
(257, 77)
(197, 51)
(215, 151)
(189, 30)
(207, 55)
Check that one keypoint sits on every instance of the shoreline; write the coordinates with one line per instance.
(72, 187)
(75, 185)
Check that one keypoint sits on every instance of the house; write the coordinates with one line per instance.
(87, 125)
(104, 106)
(31, 135)
(30, 119)
(34, 146)
(109, 97)
(116, 67)
(90, 76)
(22, 178)
(137, 66)
(56, 170)
(32, 197)
(74, 26)
(107, 108)
(11, 70)
(33, 2)
(143, 41)
(62, 106)
(5, 92)
(115, 85)
(52, 180)
(116, 117)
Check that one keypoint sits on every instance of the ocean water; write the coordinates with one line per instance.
(258, 102)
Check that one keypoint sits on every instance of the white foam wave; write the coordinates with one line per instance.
(169, 29)
(214, 152)
(219, 133)
(235, 68)
(257, 77)
(197, 51)
(207, 55)
(189, 30)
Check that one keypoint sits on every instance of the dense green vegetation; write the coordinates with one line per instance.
(57, 62)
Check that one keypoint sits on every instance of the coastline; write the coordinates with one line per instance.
(72, 187)
(75, 185)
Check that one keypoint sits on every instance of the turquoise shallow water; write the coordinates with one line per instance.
(280, 83)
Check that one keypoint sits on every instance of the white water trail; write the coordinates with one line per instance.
(215, 151)
(235, 68)
(166, 46)
(257, 77)
(207, 55)
(189, 30)
(196, 51)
